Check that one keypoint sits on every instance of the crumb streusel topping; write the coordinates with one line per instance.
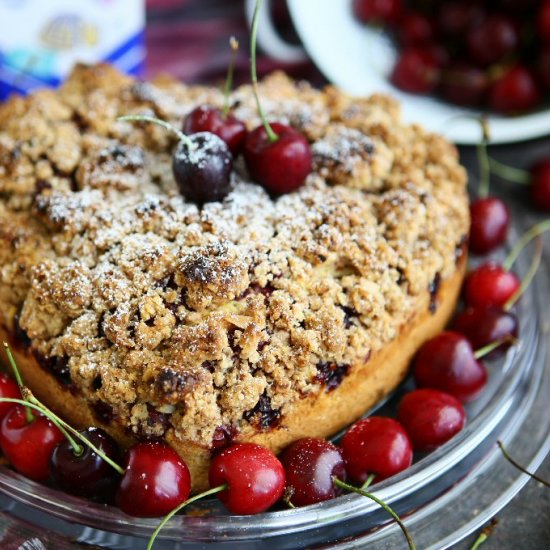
(219, 318)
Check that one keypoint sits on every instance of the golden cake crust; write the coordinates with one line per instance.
(252, 319)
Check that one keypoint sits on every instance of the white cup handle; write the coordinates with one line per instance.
(269, 39)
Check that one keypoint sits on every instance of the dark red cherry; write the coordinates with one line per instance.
(9, 389)
(430, 417)
(484, 325)
(310, 464)
(464, 84)
(86, 474)
(447, 363)
(416, 70)
(516, 90)
(540, 185)
(29, 446)
(543, 22)
(492, 39)
(155, 481)
(455, 17)
(377, 11)
(376, 445)
(206, 118)
(490, 285)
(490, 220)
(203, 172)
(280, 166)
(253, 474)
(414, 28)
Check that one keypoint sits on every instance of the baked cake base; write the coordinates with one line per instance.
(318, 415)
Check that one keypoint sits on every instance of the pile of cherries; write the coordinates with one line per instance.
(492, 53)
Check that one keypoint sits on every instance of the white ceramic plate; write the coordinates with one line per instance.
(359, 60)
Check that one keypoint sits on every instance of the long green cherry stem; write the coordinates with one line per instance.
(234, 44)
(18, 379)
(167, 126)
(533, 268)
(520, 467)
(77, 449)
(510, 173)
(353, 489)
(166, 518)
(483, 161)
(272, 136)
(529, 235)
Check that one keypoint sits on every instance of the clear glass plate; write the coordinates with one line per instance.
(430, 496)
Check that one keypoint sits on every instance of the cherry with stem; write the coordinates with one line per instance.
(201, 162)
(208, 118)
(277, 156)
(31, 402)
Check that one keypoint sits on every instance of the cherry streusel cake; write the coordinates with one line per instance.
(254, 318)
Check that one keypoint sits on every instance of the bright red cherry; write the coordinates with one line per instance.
(9, 389)
(492, 39)
(29, 446)
(86, 474)
(206, 118)
(414, 29)
(490, 285)
(430, 417)
(417, 70)
(490, 220)
(254, 476)
(280, 166)
(310, 465)
(464, 84)
(484, 325)
(516, 90)
(543, 22)
(447, 363)
(385, 11)
(376, 445)
(540, 185)
(155, 481)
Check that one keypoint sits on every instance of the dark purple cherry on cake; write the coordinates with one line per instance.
(201, 163)
(277, 156)
(310, 465)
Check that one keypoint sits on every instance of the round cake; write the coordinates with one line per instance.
(257, 318)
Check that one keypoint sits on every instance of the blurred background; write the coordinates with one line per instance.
(189, 39)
